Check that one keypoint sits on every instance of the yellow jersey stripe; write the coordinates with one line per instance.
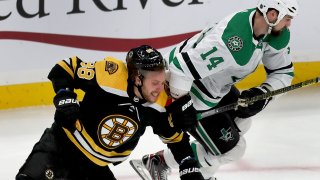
(177, 137)
(66, 68)
(92, 151)
(86, 153)
(74, 63)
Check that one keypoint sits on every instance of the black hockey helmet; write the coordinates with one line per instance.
(144, 58)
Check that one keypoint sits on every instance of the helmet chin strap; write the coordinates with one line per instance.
(269, 29)
(270, 25)
(139, 86)
(140, 90)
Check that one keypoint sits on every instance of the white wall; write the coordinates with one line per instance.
(29, 60)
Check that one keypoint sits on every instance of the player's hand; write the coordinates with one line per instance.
(189, 169)
(255, 107)
(183, 113)
(67, 109)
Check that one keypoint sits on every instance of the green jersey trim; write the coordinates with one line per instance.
(173, 59)
(198, 95)
(207, 140)
(279, 42)
(288, 73)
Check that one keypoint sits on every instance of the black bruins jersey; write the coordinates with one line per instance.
(112, 118)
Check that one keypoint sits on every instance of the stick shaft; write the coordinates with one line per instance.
(257, 98)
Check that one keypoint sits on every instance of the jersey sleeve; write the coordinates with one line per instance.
(162, 123)
(277, 61)
(72, 73)
(177, 141)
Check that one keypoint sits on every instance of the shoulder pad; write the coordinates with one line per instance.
(237, 37)
(112, 75)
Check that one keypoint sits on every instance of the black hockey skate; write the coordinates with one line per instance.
(154, 164)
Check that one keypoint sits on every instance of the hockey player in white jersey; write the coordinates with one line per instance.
(208, 65)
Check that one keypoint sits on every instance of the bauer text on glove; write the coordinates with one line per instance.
(67, 109)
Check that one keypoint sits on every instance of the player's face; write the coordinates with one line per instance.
(284, 23)
(153, 85)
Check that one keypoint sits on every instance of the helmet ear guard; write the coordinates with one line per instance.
(284, 7)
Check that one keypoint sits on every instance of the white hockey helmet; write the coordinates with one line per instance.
(284, 7)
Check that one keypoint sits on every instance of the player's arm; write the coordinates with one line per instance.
(277, 61)
(72, 73)
(279, 68)
(66, 76)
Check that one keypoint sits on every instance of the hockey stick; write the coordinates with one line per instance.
(246, 102)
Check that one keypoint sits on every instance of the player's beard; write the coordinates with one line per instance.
(276, 32)
(152, 97)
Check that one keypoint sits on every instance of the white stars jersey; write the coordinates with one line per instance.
(213, 60)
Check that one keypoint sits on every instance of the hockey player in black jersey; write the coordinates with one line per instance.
(120, 100)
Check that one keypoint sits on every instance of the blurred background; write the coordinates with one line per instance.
(35, 34)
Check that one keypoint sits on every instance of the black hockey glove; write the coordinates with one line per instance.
(67, 109)
(189, 169)
(254, 108)
(182, 112)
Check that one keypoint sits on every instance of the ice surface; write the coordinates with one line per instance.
(282, 144)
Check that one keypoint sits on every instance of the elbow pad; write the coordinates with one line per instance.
(179, 85)
(177, 93)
